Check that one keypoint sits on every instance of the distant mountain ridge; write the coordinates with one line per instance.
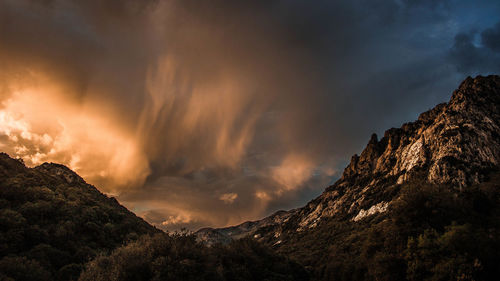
(455, 143)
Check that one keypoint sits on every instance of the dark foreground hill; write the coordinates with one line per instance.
(422, 203)
(53, 226)
(52, 222)
(180, 257)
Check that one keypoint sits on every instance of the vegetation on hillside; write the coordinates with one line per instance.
(49, 228)
(180, 257)
(429, 233)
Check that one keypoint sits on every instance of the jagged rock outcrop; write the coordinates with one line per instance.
(455, 143)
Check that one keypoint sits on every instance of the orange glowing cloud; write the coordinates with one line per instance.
(293, 171)
(39, 124)
(228, 198)
(188, 120)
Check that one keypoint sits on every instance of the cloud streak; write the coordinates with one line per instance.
(208, 113)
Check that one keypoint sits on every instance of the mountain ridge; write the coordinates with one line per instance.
(52, 222)
(455, 143)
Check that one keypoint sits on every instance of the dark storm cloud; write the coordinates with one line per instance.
(213, 112)
(491, 38)
(477, 51)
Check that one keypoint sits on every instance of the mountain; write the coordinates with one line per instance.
(457, 143)
(438, 167)
(52, 222)
(212, 236)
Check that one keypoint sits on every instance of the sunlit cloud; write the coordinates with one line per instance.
(293, 171)
(176, 220)
(228, 198)
(262, 195)
(39, 124)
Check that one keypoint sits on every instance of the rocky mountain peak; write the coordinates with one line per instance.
(452, 142)
(455, 143)
(480, 91)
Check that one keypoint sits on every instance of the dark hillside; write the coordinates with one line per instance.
(180, 257)
(52, 222)
(431, 232)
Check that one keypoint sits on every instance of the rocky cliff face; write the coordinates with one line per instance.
(455, 143)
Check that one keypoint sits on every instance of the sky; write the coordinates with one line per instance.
(211, 113)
